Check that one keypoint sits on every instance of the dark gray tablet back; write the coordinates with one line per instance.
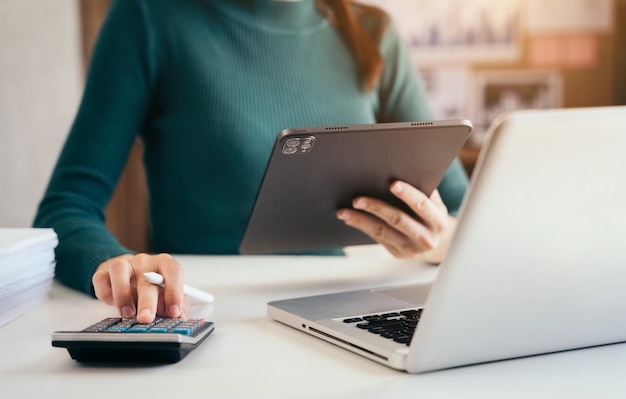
(314, 171)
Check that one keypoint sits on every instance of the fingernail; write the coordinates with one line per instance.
(127, 312)
(174, 310)
(360, 204)
(145, 313)
(397, 188)
(343, 215)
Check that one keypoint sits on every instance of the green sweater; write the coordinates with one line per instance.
(207, 85)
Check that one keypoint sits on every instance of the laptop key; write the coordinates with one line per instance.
(403, 340)
(397, 326)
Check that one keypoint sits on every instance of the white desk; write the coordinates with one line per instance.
(251, 356)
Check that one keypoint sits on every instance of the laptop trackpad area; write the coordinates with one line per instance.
(414, 294)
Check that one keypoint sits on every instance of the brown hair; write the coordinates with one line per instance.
(348, 19)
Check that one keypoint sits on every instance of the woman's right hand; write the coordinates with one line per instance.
(120, 282)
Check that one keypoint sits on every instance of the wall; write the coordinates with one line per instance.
(40, 86)
(513, 54)
(620, 54)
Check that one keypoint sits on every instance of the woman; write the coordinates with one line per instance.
(207, 84)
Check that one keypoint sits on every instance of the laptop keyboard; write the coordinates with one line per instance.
(397, 326)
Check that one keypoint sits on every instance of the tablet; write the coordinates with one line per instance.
(314, 171)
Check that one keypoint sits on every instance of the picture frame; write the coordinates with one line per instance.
(499, 91)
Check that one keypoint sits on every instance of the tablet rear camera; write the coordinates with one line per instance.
(292, 143)
(298, 145)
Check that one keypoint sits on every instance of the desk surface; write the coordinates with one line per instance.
(252, 356)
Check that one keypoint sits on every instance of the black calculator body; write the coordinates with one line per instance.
(166, 340)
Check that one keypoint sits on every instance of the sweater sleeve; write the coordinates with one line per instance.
(403, 97)
(110, 116)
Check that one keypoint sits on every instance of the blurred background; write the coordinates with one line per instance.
(478, 58)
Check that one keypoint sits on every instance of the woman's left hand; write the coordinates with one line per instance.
(403, 235)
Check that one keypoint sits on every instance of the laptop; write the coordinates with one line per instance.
(537, 263)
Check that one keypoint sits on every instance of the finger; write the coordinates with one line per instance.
(147, 293)
(435, 197)
(120, 275)
(396, 242)
(185, 311)
(430, 211)
(101, 282)
(173, 278)
(418, 236)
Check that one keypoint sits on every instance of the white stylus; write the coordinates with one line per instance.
(157, 279)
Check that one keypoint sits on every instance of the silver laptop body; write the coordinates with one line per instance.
(537, 264)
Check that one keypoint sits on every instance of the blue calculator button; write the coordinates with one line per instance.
(138, 328)
(159, 329)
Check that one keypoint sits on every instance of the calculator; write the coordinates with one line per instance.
(165, 340)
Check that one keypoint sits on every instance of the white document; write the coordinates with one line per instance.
(27, 263)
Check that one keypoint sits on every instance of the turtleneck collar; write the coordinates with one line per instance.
(275, 15)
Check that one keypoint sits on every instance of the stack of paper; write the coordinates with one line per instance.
(26, 269)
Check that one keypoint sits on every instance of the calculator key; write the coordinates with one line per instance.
(139, 328)
(102, 325)
(159, 330)
(189, 326)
